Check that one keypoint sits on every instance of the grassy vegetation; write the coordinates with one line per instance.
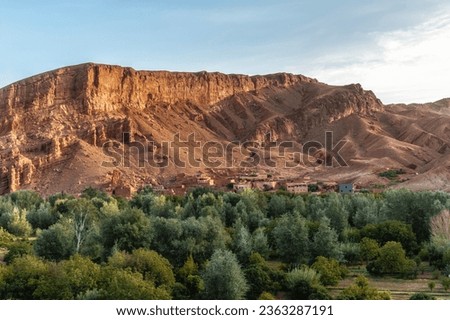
(400, 289)
(391, 174)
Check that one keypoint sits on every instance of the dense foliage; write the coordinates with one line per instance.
(213, 245)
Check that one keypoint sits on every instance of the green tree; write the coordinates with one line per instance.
(277, 206)
(259, 277)
(17, 249)
(291, 238)
(421, 296)
(260, 243)
(414, 208)
(190, 283)
(25, 199)
(366, 211)
(437, 251)
(43, 216)
(298, 205)
(251, 209)
(369, 249)
(68, 279)
(5, 238)
(56, 243)
(392, 231)
(445, 281)
(128, 230)
(330, 271)
(150, 264)
(223, 277)
(123, 284)
(14, 220)
(22, 277)
(92, 245)
(242, 242)
(336, 212)
(325, 242)
(201, 237)
(351, 252)
(83, 215)
(91, 193)
(167, 239)
(154, 205)
(392, 260)
(304, 284)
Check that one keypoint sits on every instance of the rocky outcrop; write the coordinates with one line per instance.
(290, 113)
(93, 88)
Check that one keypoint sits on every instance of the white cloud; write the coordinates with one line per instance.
(410, 65)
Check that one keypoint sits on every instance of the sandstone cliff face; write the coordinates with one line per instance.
(49, 120)
(92, 88)
(115, 87)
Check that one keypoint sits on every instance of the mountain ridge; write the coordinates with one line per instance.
(55, 125)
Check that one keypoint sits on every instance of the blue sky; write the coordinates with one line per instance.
(399, 49)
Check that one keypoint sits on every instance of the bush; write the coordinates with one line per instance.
(445, 281)
(304, 284)
(18, 249)
(5, 238)
(421, 296)
(392, 231)
(56, 243)
(351, 252)
(330, 271)
(150, 264)
(128, 230)
(361, 290)
(15, 222)
(261, 278)
(22, 278)
(119, 284)
(391, 174)
(392, 260)
(43, 216)
(25, 199)
(223, 277)
(266, 296)
(291, 238)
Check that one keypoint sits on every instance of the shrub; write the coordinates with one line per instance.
(361, 290)
(392, 260)
(330, 271)
(421, 296)
(266, 296)
(17, 249)
(304, 283)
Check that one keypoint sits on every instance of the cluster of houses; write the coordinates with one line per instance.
(262, 182)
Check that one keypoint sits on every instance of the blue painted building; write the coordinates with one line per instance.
(346, 188)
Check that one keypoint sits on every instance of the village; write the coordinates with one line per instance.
(181, 184)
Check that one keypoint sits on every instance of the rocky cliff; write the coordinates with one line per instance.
(96, 88)
(54, 125)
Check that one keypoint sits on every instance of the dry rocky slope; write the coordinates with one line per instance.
(60, 131)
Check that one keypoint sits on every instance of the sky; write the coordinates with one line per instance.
(399, 49)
